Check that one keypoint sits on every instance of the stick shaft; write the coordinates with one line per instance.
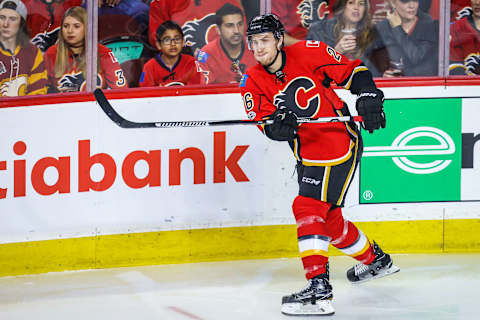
(124, 123)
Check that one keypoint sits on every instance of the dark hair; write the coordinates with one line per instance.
(168, 25)
(225, 10)
(23, 35)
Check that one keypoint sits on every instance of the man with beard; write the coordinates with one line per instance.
(225, 59)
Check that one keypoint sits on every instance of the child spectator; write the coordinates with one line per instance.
(66, 60)
(196, 17)
(225, 59)
(22, 69)
(465, 43)
(350, 32)
(170, 66)
(44, 20)
(411, 38)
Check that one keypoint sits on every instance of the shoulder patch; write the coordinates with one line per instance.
(312, 44)
(202, 56)
(243, 81)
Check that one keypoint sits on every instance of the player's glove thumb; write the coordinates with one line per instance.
(370, 107)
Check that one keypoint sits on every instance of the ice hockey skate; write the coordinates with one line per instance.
(314, 299)
(380, 267)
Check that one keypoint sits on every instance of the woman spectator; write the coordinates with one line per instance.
(66, 60)
(411, 38)
(350, 32)
(170, 66)
(22, 69)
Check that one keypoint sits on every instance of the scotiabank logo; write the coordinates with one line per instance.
(125, 167)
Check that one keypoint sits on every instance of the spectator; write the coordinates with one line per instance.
(66, 60)
(44, 20)
(298, 15)
(22, 69)
(351, 33)
(465, 43)
(170, 66)
(411, 38)
(197, 18)
(225, 59)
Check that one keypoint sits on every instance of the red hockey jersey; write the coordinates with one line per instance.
(307, 65)
(218, 67)
(44, 18)
(464, 47)
(110, 76)
(156, 73)
(196, 17)
(23, 72)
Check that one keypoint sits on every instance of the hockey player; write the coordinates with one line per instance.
(225, 59)
(22, 68)
(66, 60)
(295, 81)
(465, 43)
(170, 66)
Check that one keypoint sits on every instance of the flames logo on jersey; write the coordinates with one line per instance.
(311, 11)
(472, 64)
(74, 81)
(300, 96)
(196, 31)
(45, 40)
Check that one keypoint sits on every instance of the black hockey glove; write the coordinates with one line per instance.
(370, 107)
(284, 126)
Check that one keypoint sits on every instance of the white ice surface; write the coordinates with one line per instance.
(445, 286)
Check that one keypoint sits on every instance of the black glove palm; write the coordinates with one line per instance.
(284, 126)
(370, 107)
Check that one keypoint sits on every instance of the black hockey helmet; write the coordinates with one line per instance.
(266, 23)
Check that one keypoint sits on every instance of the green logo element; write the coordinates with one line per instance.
(417, 157)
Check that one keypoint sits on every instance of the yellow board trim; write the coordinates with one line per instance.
(221, 244)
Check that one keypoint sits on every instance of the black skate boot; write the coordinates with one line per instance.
(314, 299)
(380, 267)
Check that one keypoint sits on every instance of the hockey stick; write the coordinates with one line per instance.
(124, 123)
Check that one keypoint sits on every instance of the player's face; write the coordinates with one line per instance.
(171, 43)
(9, 24)
(232, 29)
(476, 8)
(264, 47)
(354, 11)
(73, 31)
(406, 10)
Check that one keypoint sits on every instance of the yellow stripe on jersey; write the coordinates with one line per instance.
(34, 77)
(42, 90)
(326, 179)
(364, 249)
(357, 69)
(333, 162)
(38, 60)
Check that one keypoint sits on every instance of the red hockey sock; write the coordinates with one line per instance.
(313, 242)
(348, 238)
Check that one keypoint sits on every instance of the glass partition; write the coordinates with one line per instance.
(77, 45)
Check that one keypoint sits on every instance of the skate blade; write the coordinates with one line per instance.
(393, 269)
(321, 308)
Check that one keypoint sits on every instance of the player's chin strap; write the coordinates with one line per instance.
(279, 74)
